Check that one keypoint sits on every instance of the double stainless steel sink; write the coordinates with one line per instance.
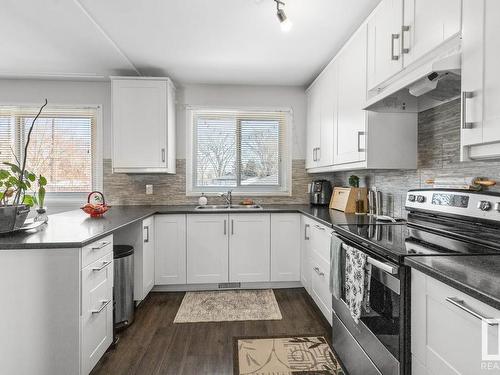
(227, 207)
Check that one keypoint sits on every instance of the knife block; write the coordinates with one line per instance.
(344, 199)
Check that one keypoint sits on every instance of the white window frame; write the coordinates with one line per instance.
(61, 199)
(285, 177)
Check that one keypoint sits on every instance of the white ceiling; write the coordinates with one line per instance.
(192, 41)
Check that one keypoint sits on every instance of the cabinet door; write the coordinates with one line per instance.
(320, 287)
(249, 247)
(428, 23)
(207, 248)
(139, 123)
(306, 248)
(384, 42)
(97, 311)
(328, 114)
(170, 249)
(313, 124)
(350, 129)
(446, 336)
(480, 80)
(285, 247)
(148, 255)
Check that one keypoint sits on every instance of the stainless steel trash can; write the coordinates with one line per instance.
(123, 292)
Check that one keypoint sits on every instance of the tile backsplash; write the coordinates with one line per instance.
(171, 189)
(438, 155)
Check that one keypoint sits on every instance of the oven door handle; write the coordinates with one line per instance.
(387, 267)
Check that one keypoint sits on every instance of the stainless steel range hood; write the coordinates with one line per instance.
(425, 87)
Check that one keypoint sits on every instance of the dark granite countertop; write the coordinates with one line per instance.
(75, 228)
(477, 276)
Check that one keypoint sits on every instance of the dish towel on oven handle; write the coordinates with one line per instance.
(335, 262)
(357, 282)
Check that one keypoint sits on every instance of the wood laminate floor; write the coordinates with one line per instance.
(155, 345)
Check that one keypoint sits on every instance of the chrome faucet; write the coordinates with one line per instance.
(228, 197)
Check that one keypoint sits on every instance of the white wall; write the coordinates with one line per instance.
(249, 96)
(80, 92)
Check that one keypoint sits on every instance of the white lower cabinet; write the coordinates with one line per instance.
(305, 253)
(446, 330)
(320, 266)
(144, 261)
(97, 311)
(207, 248)
(170, 249)
(285, 247)
(249, 247)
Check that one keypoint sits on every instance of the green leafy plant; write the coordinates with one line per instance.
(354, 181)
(15, 180)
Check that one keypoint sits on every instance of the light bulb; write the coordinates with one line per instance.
(286, 25)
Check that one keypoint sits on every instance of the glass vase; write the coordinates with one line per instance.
(41, 215)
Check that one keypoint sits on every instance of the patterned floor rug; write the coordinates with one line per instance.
(283, 356)
(228, 305)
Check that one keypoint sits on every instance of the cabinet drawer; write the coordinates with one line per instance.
(97, 311)
(96, 250)
(320, 240)
(320, 285)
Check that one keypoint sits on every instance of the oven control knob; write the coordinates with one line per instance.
(484, 205)
(420, 199)
(411, 198)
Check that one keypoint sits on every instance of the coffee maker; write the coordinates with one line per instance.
(320, 192)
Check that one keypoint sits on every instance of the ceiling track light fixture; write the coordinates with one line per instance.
(285, 22)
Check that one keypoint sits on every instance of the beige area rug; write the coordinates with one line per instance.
(228, 305)
(283, 356)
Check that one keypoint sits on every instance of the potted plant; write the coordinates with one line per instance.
(15, 181)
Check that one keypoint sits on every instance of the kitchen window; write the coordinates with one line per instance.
(246, 151)
(64, 147)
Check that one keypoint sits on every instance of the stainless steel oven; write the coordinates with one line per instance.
(374, 345)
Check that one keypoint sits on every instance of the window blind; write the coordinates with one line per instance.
(242, 150)
(62, 146)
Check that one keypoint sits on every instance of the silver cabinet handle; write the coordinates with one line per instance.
(146, 228)
(103, 244)
(318, 271)
(360, 134)
(306, 237)
(404, 29)
(225, 227)
(393, 38)
(466, 95)
(315, 154)
(318, 158)
(104, 265)
(461, 305)
(319, 227)
(232, 227)
(163, 155)
(103, 306)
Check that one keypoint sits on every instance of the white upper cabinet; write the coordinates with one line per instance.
(480, 135)
(402, 31)
(170, 249)
(350, 128)
(427, 24)
(360, 138)
(143, 116)
(384, 42)
(249, 247)
(207, 248)
(322, 115)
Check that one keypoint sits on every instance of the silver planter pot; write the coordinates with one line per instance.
(13, 217)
